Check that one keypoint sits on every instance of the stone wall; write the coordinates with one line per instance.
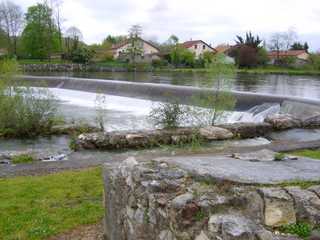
(72, 67)
(158, 201)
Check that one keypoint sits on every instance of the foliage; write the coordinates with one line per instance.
(302, 230)
(249, 40)
(247, 56)
(101, 110)
(180, 56)
(24, 158)
(158, 63)
(72, 39)
(135, 48)
(299, 46)
(38, 207)
(279, 157)
(11, 20)
(315, 61)
(214, 105)
(167, 115)
(25, 111)
(114, 39)
(262, 57)
(287, 61)
(40, 37)
(82, 55)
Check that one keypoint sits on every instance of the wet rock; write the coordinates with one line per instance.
(279, 207)
(315, 189)
(307, 205)
(312, 122)
(315, 235)
(300, 110)
(283, 121)
(182, 200)
(166, 235)
(263, 155)
(248, 130)
(215, 133)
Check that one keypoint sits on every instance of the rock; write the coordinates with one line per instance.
(73, 128)
(302, 111)
(182, 200)
(232, 227)
(312, 122)
(215, 133)
(315, 189)
(307, 205)
(279, 207)
(166, 235)
(202, 236)
(248, 130)
(283, 121)
(315, 235)
(263, 155)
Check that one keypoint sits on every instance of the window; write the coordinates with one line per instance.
(204, 47)
(195, 46)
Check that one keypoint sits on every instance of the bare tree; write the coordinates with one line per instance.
(73, 37)
(277, 43)
(56, 6)
(11, 21)
(135, 48)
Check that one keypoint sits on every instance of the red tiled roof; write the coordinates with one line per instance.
(289, 53)
(189, 44)
(222, 48)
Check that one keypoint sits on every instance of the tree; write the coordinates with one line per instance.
(180, 56)
(73, 36)
(249, 40)
(40, 36)
(135, 47)
(299, 46)
(114, 39)
(11, 21)
(55, 5)
(173, 40)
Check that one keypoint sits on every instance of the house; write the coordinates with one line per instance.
(198, 47)
(149, 51)
(301, 56)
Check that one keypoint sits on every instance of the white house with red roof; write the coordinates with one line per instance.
(198, 47)
(149, 50)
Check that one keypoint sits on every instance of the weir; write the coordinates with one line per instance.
(155, 92)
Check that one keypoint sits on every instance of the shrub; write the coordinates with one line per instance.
(167, 115)
(315, 61)
(24, 158)
(82, 55)
(25, 112)
(302, 230)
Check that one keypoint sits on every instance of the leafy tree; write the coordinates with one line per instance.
(249, 40)
(40, 36)
(262, 56)
(299, 46)
(73, 37)
(215, 105)
(135, 48)
(181, 56)
(11, 21)
(82, 55)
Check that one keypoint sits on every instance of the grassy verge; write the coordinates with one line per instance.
(315, 154)
(39, 207)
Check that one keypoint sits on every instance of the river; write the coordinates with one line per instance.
(285, 85)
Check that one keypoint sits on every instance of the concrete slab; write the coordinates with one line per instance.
(235, 170)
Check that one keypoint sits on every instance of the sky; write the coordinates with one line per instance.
(214, 21)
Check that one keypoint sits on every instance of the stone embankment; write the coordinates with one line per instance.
(152, 138)
(157, 200)
(69, 68)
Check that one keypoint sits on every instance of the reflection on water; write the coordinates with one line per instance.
(300, 86)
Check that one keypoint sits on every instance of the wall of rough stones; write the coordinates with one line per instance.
(157, 201)
(72, 67)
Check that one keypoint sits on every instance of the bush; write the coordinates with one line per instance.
(315, 61)
(82, 55)
(158, 63)
(302, 230)
(20, 159)
(167, 115)
(182, 57)
(25, 112)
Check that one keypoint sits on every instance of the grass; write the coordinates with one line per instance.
(24, 158)
(38, 207)
(302, 230)
(38, 61)
(315, 154)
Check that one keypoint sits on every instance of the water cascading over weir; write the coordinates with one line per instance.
(155, 92)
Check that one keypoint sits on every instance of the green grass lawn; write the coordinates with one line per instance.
(42, 206)
(308, 153)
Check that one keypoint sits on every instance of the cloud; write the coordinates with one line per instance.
(215, 21)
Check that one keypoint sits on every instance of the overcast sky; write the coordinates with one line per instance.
(215, 21)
